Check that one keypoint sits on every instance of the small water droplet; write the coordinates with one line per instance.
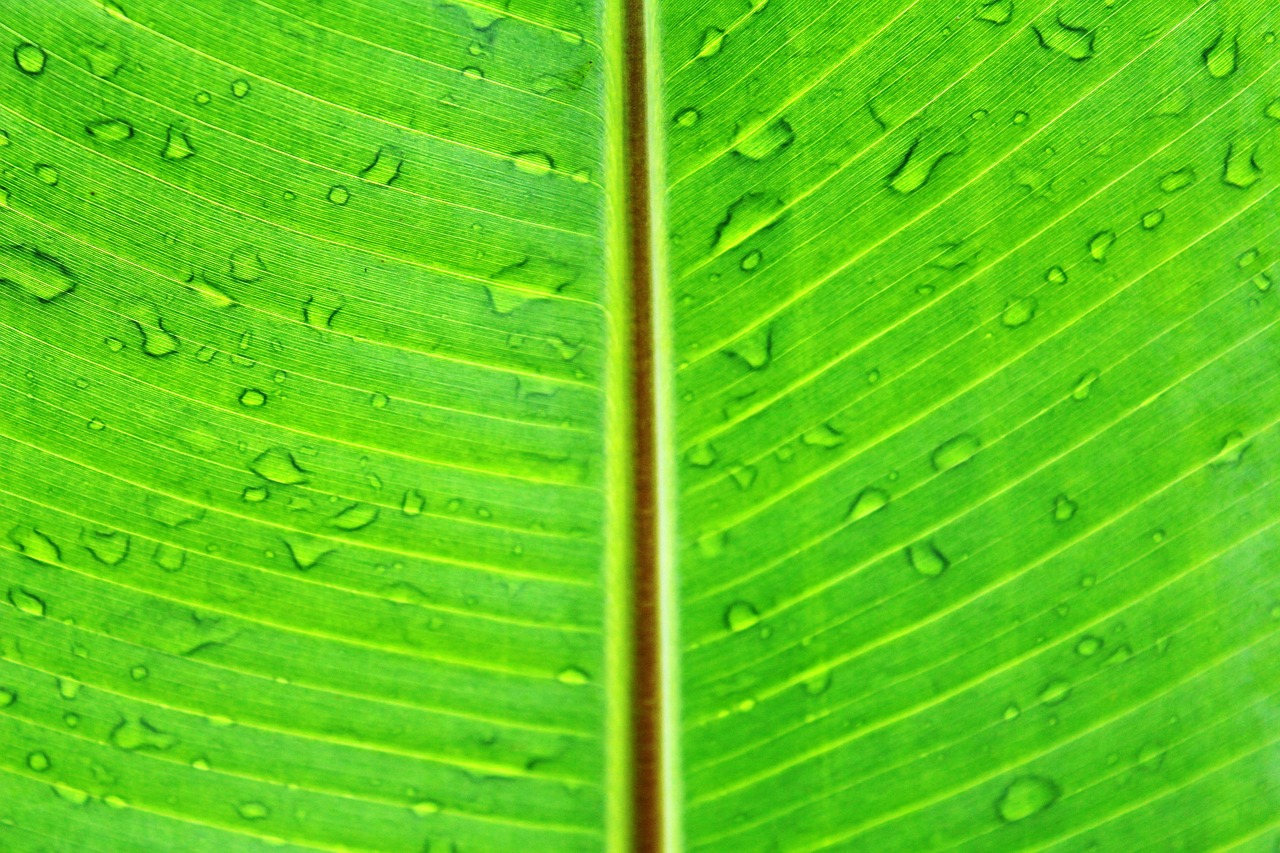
(1056, 275)
(955, 451)
(176, 145)
(25, 602)
(741, 615)
(253, 398)
(766, 141)
(1011, 711)
(1152, 219)
(1240, 169)
(1026, 796)
(320, 309)
(246, 264)
(1089, 646)
(169, 558)
(1100, 244)
(1180, 179)
(252, 810)
(339, 195)
(203, 98)
(998, 12)
(1064, 509)
(1084, 384)
(240, 88)
(745, 217)
(426, 807)
(533, 162)
(38, 761)
(109, 130)
(1151, 756)
(46, 174)
(36, 274)
(823, 435)
(1232, 451)
(573, 675)
(385, 167)
(755, 349)
(30, 58)
(306, 553)
(689, 117)
(701, 455)
(712, 41)
(1019, 311)
(926, 559)
(750, 260)
(254, 494)
(868, 501)
(413, 503)
(108, 547)
(355, 517)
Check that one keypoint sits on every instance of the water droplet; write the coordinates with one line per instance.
(385, 167)
(1180, 179)
(1272, 110)
(306, 553)
(108, 547)
(26, 602)
(139, 673)
(755, 349)
(46, 174)
(246, 264)
(1075, 43)
(203, 98)
(926, 559)
(818, 683)
(1056, 275)
(30, 58)
(240, 88)
(1222, 56)
(1262, 281)
(426, 807)
(1021, 117)
(1088, 646)
(34, 545)
(1064, 509)
(252, 810)
(1019, 311)
(38, 762)
(413, 503)
(1151, 756)
(701, 455)
(1026, 796)
(320, 309)
(1232, 451)
(920, 161)
(743, 475)
(1240, 169)
(955, 451)
(278, 466)
(157, 341)
(766, 141)
(136, 733)
(750, 260)
(533, 162)
(689, 117)
(168, 557)
(254, 494)
(109, 130)
(741, 615)
(1100, 244)
(823, 435)
(176, 145)
(868, 501)
(355, 517)
(1152, 219)
(339, 195)
(1012, 711)
(253, 398)
(573, 675)
(712, 41)
(34, 273)
(749, 215)
(1084, 384)
(998, 12)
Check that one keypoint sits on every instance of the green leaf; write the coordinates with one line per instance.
(331, 424)
(976, 405)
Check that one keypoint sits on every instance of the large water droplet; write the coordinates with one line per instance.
(1026, 796)
(955, 451)
(30, 58)
(1222, 56)
(926, 559)
(868, 501)
(1075, 43)
(279, 466)
(1240, 169)
(766, 141)
(109, 130)
(741, 615)
(176, 145)
(750, 214)
(34, 273)
(385, 167)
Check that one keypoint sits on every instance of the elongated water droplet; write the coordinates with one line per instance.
(32, 605)
(1240, 169)
(998, 12)
(1088, 646)
(1152, 219)
(34, 273)
(1056, 275)
(253, 810)
(413, 503)
(246, 264)
(533, 162)
(712, 41)
(355, 517)
(1179, 179)
(574, 676)
(750, 214)
(1084, 384)
(823, 435)
(109, 130)
(34, 545)
(177, 146)
(108, 547)
(868, 501)
(766, 141)
(1222, 56)
(1075, 43)
(687, 117)
(1100, 244)
(955, 451)
(136, 733)
(921, 160)
(1026, 796)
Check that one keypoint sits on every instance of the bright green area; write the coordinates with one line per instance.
(977, 402)
(302, 426)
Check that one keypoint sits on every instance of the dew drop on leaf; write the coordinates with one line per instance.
(30, 58)
(1232, 451)
(320, 309)
(1222, 56)
(32, 605)
(755, 349)
(1240, 169)
(823, 435)
(157, 341)
(1152, 219)
(253, 398)
(278, 466)
(240, 88)
(109, 130)
(34, 545)
(355, 517)
(36, 274)
(741, 615)
(169, 558)
(413, 503)
(339, 195)
(1056, 275)
(1088, 646)
(1100, 244)
(108, 547)
(998, 12)
(687, 117)
(246, 264)
(573, 675)
(712, 41)
(1084, 384)
(1075, 43)
(702, 455)
(926, 559)
(176, 145)
(955, 451)
(7, 696)
(38, 761)
(385, 167)
(254, 494)
(306, 552)
(533, 162)
(766, 141)
(1019, 311)
(1026, 796)
(252, 810)
(750, 214)
(135, 733)
(46, 174)
(868, 501)
(1064, 509)
(423, 808)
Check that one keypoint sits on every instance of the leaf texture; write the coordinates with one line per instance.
(976, 406)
